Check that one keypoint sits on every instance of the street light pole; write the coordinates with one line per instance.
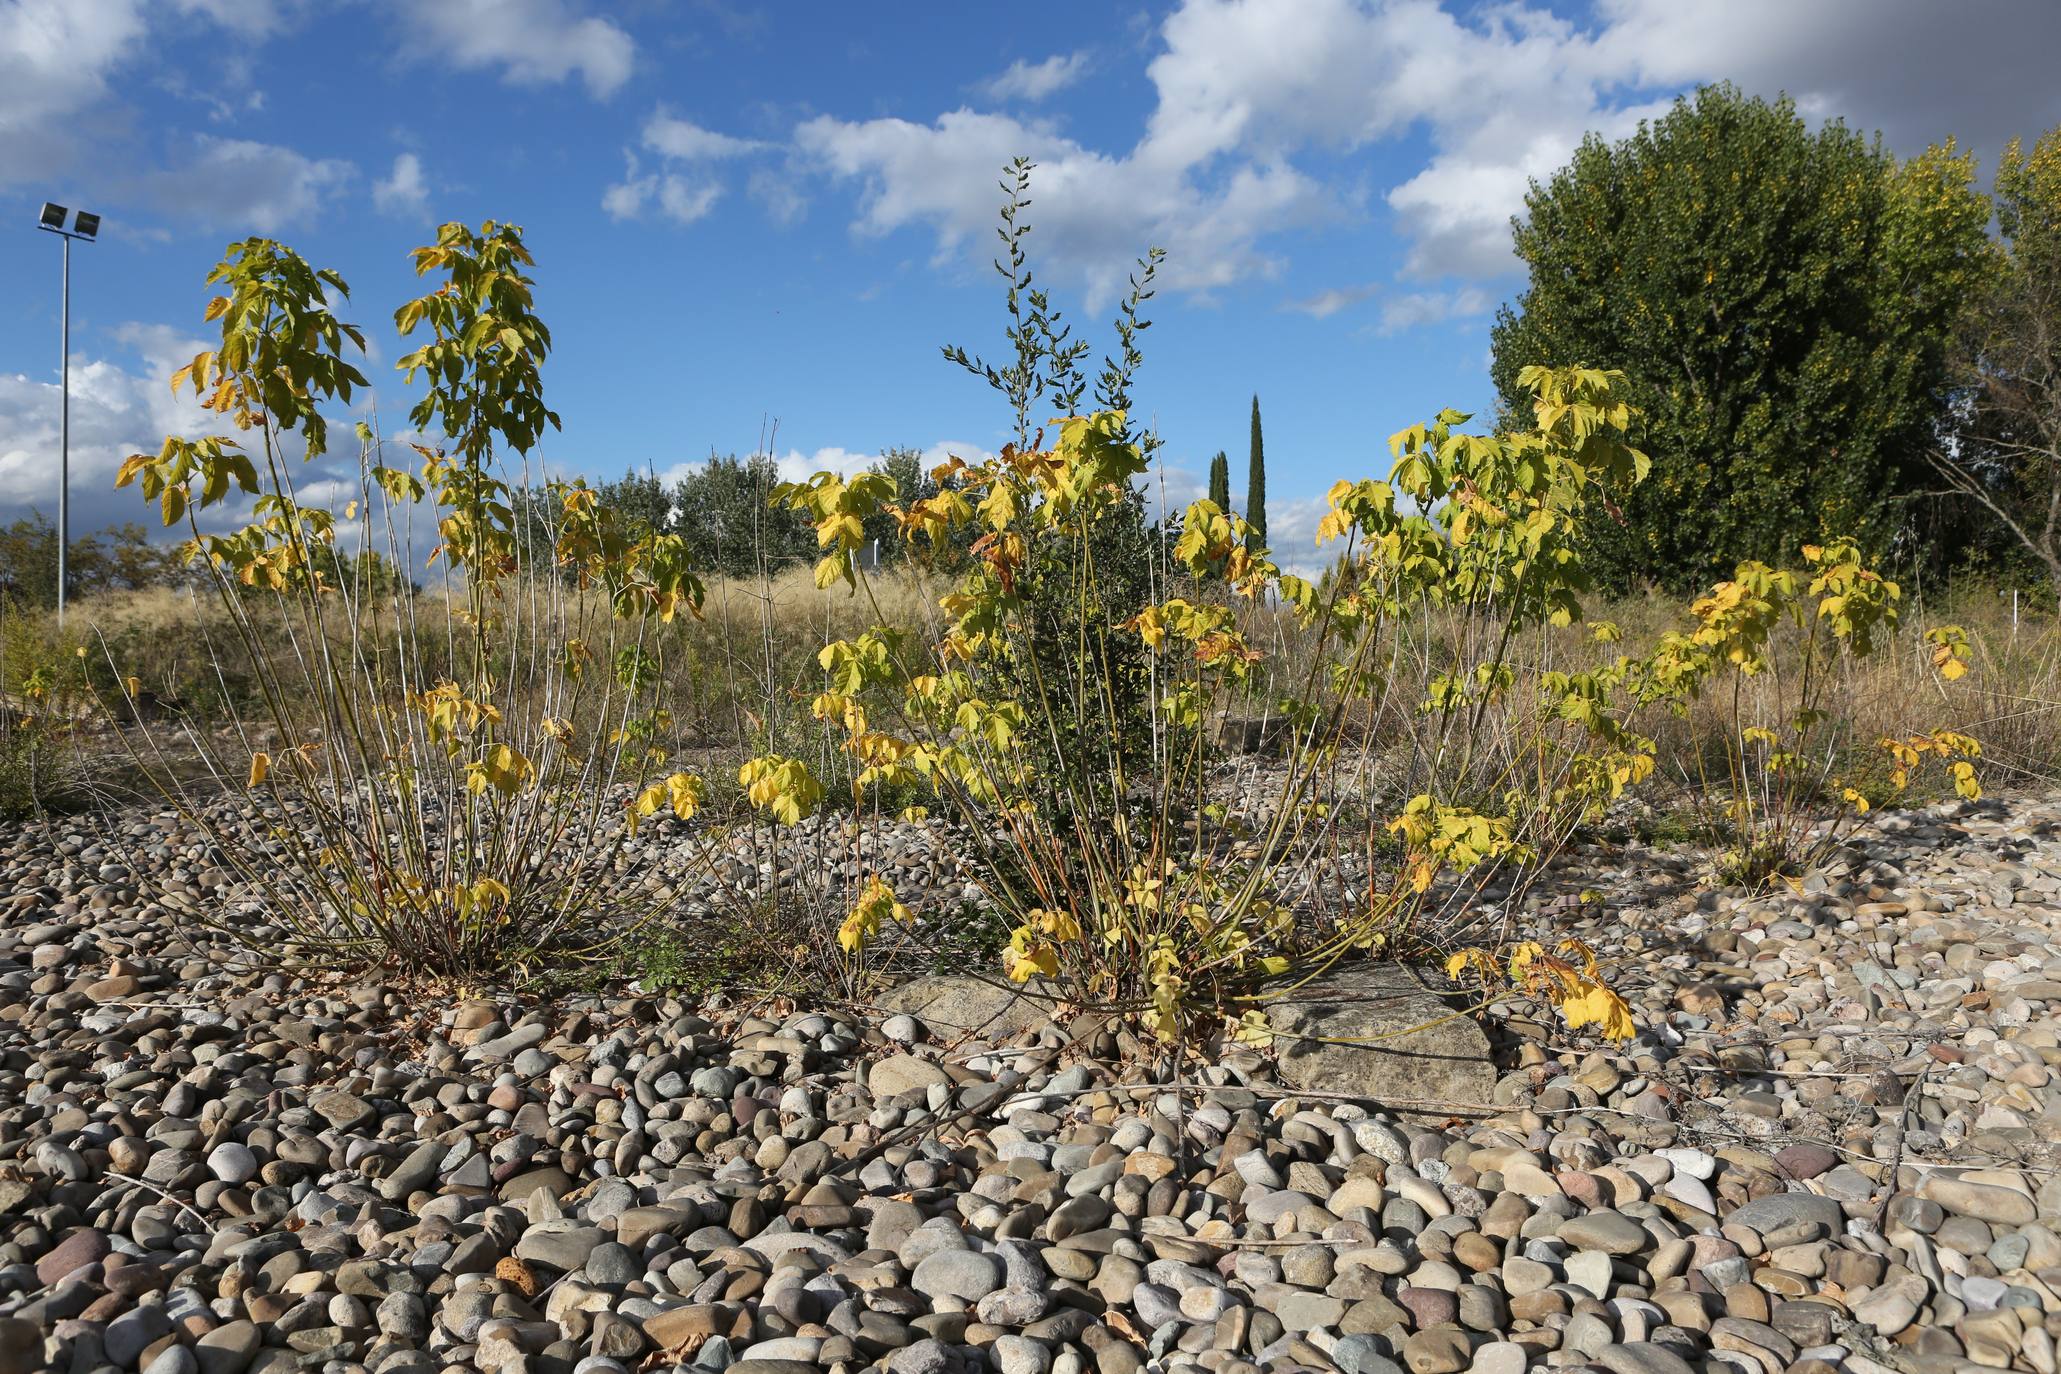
(64, 437)
(86, 226)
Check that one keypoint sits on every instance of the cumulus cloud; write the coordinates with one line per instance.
(685, 141)
(254, 18)
(779, 192)
(1095, 212)
(1292, 536)
(680, 197)
(531, 42)
(56, 57)
(120, 405)
(403, 190)
(1915, 70)
(1035, 81)
(1322, 305)
(1414, 309)
(1247, 99)
(63, 64)
(685, 186)
(1169, 488)
(795, 465)
(1235, 82)
(238, 184)
(117, 409)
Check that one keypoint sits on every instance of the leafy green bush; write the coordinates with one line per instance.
(1778, 292)
(43, 698)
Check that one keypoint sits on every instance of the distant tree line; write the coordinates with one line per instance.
(723, 509)
(121, 557)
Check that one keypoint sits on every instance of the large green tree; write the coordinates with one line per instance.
(725, 512)
(1220, 481)
(1781, 300)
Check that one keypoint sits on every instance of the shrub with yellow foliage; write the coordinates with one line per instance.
(442, 761)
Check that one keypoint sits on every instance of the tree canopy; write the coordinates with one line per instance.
(1780, 300)
(2005, 450)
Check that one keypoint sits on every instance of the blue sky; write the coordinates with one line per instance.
(750, 215)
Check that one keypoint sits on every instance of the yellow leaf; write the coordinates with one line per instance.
(1598, 1006)
(1252, 1028)
(260, 765)
(1028, 955)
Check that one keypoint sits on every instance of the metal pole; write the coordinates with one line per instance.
(64, 440)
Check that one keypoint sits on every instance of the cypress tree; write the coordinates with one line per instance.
(1256, 483)
(1220, 481)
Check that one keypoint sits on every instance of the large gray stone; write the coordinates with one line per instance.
(1641, 1357)
(903, 1073)
(1776, 1210)
(1376, 1031)
(964, 1274)
(954, 1006)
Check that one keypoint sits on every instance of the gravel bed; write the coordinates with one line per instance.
(1831, 1146)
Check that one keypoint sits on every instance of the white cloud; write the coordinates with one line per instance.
(1292, 536)
(1914, 69)
(115, 411)
(1170, 488)
(533, 42)
(684, 186)
(797, 466)
(403, 190)
(55, 60)
(121, 405)
(1245, 90)
(779, 192)
(1094, 213)
(678, 196)
(241, 185)
(944, 450)
(682, 140)
(685, 201)
(1239, 92)
(1034, 81)
(625, 199)
(1235, 82)
(55, 55)
(1324, 304)
(250, 18)
(1416, 308)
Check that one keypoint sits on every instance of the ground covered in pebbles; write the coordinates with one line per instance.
(1830, 1147)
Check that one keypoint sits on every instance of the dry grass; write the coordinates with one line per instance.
(741, 677)
(2010, 698)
